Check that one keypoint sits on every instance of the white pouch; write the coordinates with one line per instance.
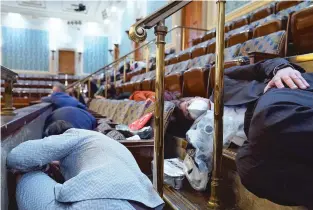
(198, 180)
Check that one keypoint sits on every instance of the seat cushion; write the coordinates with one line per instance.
(273, 44)
(302, 30)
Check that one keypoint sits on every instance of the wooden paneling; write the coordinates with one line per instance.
(192, 17)
(66, 62)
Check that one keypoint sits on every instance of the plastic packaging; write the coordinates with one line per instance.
(200, 136)
(144, 133)
(173, 172)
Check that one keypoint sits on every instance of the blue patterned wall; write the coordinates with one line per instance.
(233, 5)
(129, 18)
(95, 53)
(154, 6)
(25, 49)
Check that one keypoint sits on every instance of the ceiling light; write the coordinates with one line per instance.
(16, 20)
(15, 15)
(113, 9)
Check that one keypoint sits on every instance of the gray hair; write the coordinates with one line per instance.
(60, 86)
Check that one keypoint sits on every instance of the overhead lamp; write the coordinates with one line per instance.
(15, 15)
(106, 21)
(113, 9)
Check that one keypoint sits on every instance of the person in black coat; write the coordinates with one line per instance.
(276, 162)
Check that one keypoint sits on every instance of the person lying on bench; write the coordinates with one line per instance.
(59, 98)
(276, 161)
(99, 173)
(79, 118)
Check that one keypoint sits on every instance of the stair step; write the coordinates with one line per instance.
(186, 198)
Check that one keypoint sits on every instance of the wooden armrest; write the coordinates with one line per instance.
(35, 102)
(197, 68)
(237, 62)
(255, 57)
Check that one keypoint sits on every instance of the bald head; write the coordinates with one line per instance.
(58, 87)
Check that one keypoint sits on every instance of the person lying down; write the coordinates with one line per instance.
(276, 97)
(99, 173)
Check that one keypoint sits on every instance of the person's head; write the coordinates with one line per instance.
(58, 127)
(58, 87)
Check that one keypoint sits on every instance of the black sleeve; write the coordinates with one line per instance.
(270, 67)
(259, 71)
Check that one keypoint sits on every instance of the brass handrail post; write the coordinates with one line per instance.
(115, 70)
(124, 72)
(147, 58)
(8, 108)
(78, 91)
(106, 86)
(66, 82)
(99, 81)
(160, 31)
(183, 38)
(89, 87)
(214, 201)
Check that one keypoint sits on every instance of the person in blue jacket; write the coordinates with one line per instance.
(59, 98)
(79, 118)
(99, 173)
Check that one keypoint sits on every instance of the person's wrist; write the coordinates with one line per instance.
(280, 67)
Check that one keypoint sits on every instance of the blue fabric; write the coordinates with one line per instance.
(93, 165)
(79, 118)
(25, 49)
(35, 191)
(153, 6)
(60, 99)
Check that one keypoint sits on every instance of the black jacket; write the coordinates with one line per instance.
(245, 84)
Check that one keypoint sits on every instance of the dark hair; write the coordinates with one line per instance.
(58, 127)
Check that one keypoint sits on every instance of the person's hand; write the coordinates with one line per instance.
(100, 97)
(292, 78)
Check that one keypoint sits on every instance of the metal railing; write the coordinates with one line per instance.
(9, 77)
(124, 57)
(138, 33)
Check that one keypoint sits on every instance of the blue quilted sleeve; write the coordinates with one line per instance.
(33, 154)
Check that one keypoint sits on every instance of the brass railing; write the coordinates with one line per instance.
(138, 33)
(124, 57)
(9, 77)
(214, 201)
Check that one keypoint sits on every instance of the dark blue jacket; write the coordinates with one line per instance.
(60, 99)
(79, 118)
